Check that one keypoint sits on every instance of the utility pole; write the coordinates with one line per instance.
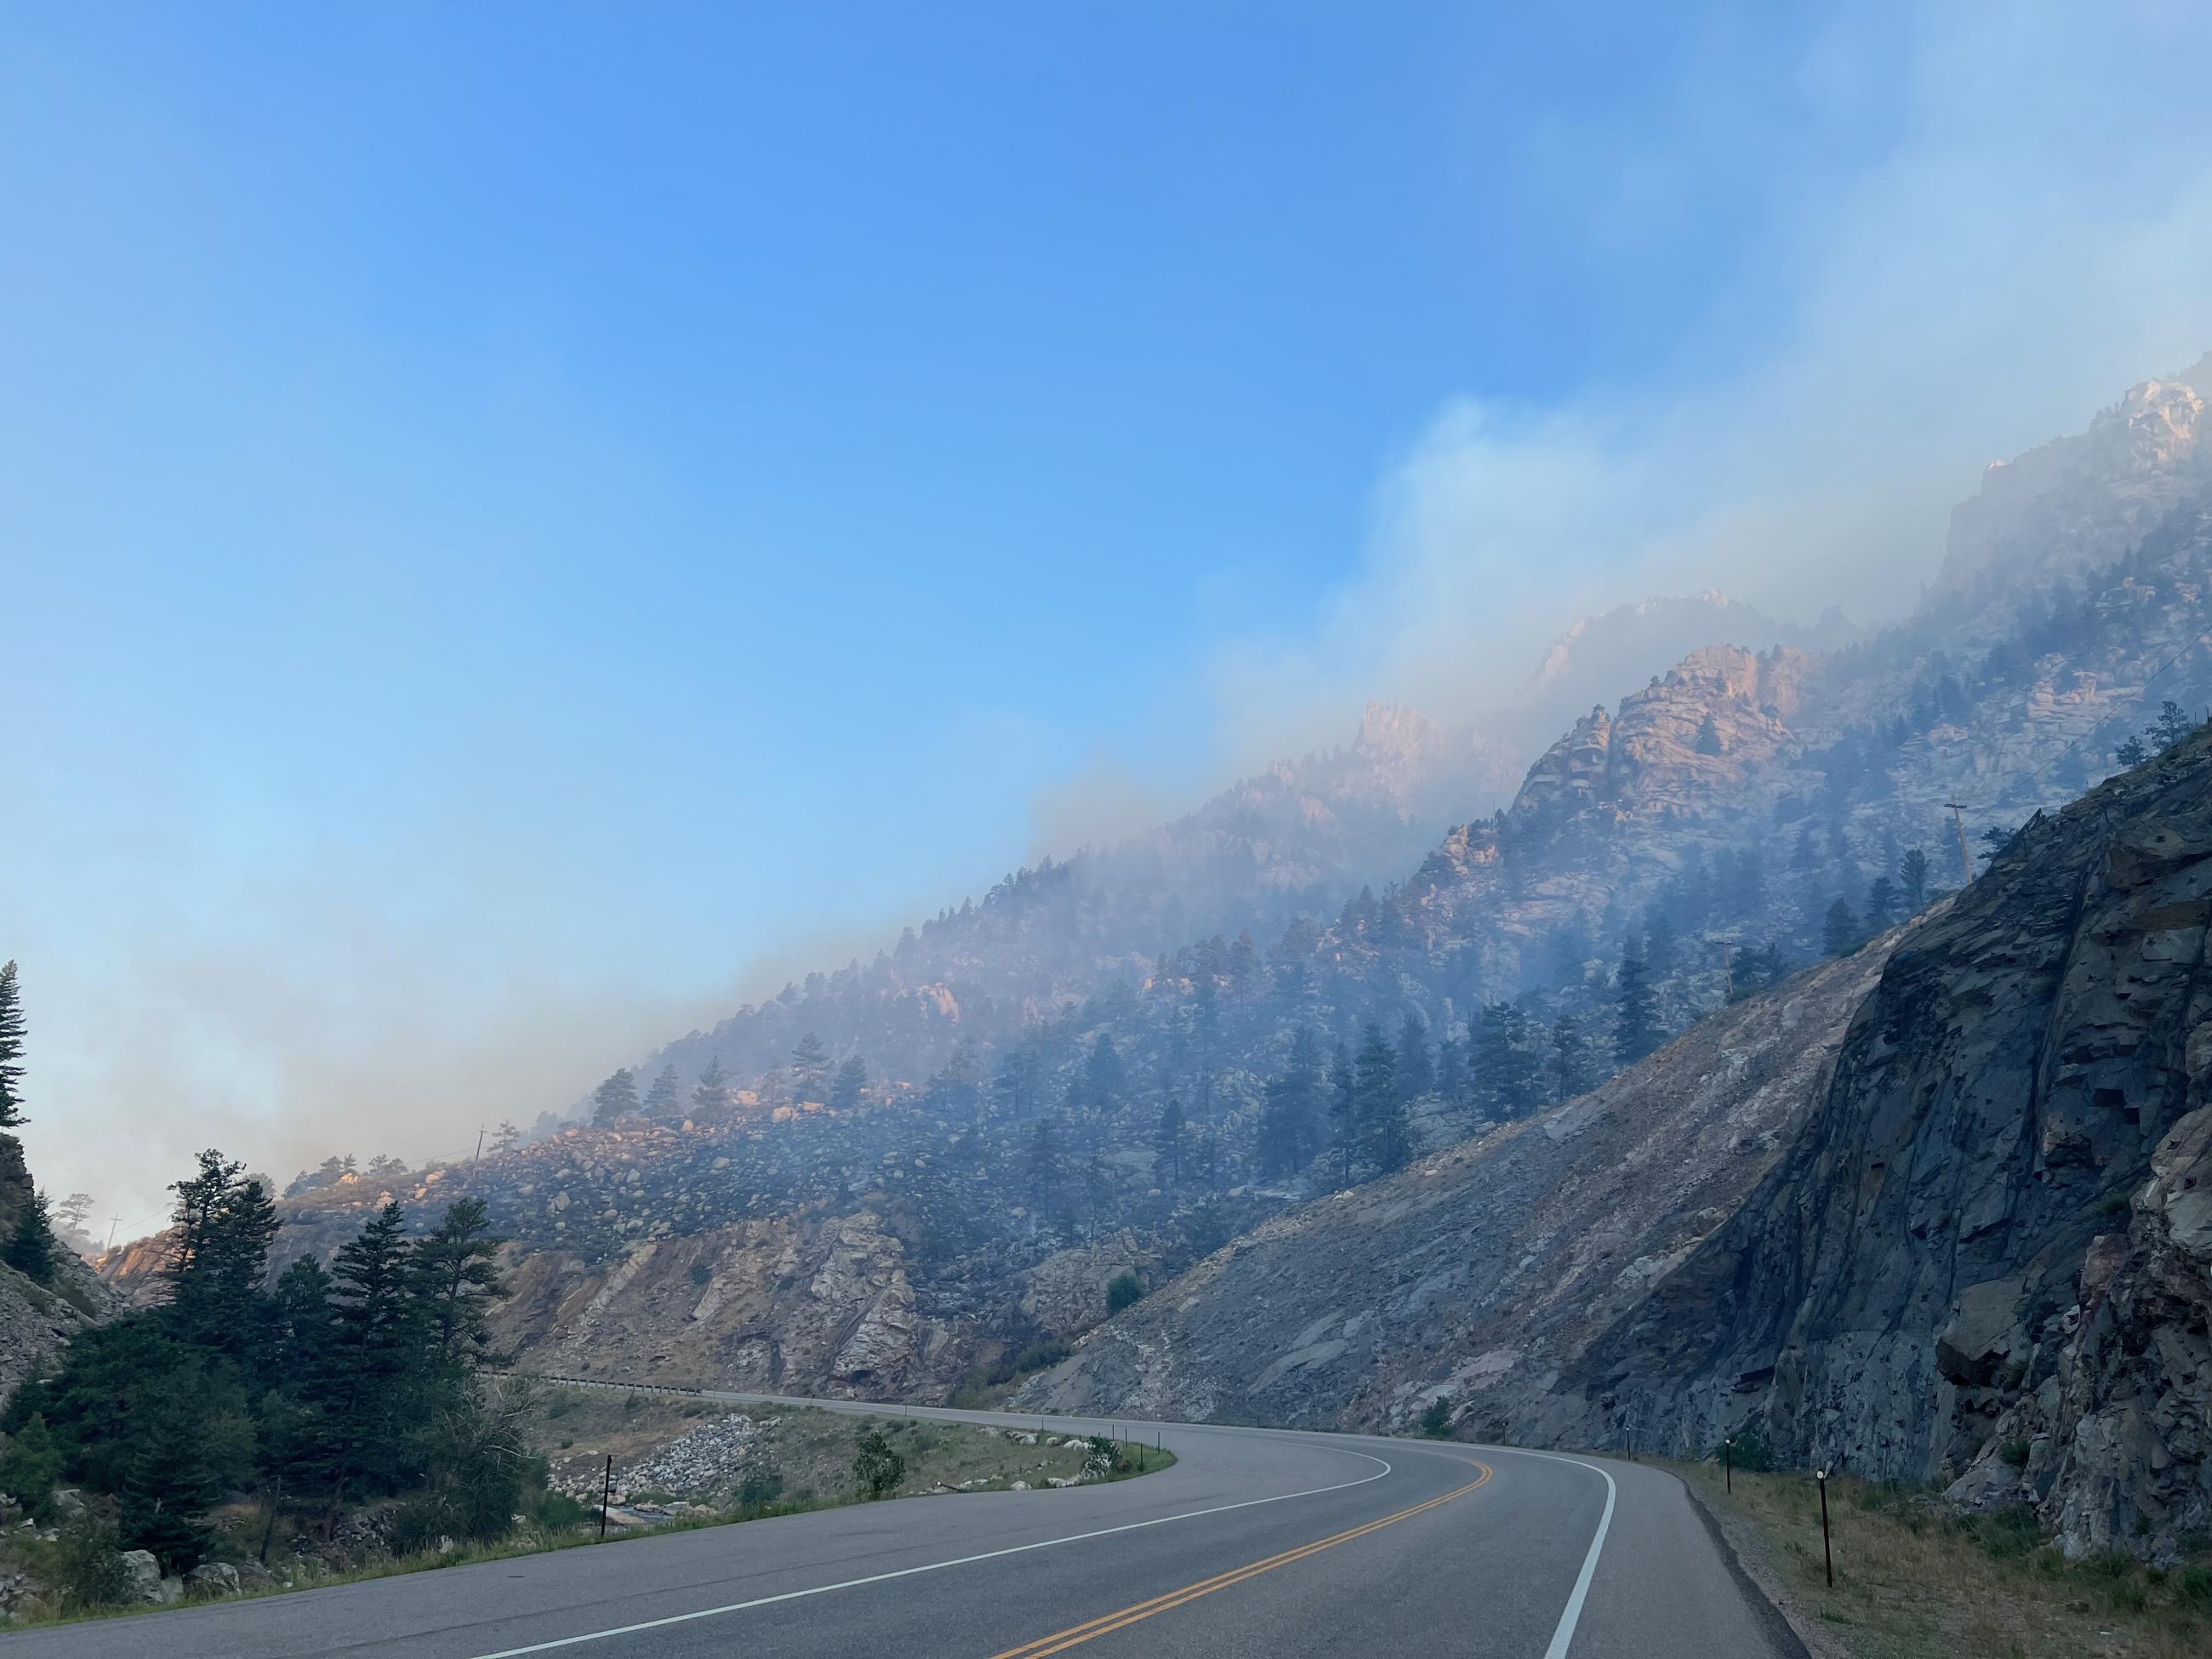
(1966, 860)
(478, 1158)
(113, 1222)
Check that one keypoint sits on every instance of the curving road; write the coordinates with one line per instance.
(1257, 1542)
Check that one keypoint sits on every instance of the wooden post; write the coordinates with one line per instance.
(606, 1497)
(1827, 1556)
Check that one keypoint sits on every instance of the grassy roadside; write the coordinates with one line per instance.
(1912, 1583)
(814, 1447)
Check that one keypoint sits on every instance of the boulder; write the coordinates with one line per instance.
(143, 1576)
(212, 1578)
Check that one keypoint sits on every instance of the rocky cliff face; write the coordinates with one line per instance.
(1990, 1238)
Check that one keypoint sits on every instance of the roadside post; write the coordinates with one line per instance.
(606, 1497)
(1727, 1461)
(1827, 1556)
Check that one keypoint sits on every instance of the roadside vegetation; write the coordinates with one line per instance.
(1913, 1582)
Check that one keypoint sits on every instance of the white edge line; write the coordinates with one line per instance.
(1564, 1637)
(1015, 1549)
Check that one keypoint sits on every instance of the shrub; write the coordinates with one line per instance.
(1751, 1452)
(88, 1565)
(31, 1465)
(2015, 1452)
(876, 1466)
(1124, 1290)
(760, 1485)
(1436, 1418)
(702, 1273)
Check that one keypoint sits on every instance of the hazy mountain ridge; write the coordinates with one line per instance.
(1739, 796)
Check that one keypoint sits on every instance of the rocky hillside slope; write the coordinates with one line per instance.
(1485, 1271)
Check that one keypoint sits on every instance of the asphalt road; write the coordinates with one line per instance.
(1257, 1542)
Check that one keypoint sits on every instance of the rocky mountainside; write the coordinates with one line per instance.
(1939, 1209)
(1485, 1270)
(1055, 1066)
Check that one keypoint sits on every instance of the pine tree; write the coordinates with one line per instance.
(1381, 1109)
(2171, 726)
(1168, 1143)
(1508, 1069)
(506, 1137)
(222, 1226)
(1572, 1070)
(810, 1070)
(1417, 1073)
(710, 1095)
(376, 1336)
(1634, 1009)
(1104, 1083)
(455, 1279)
(1709, 738)
(1881, 904)
(1289, 1123)
(616, 1098)
(1344, 1105)
(846, 1088)
(11, 1050)
(1839, 932)
(2132, 752)
(1913, 872)
(32, 1250)
(664, 1099)
(1451, 1071)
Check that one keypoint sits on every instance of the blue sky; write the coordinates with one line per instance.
(514, 513)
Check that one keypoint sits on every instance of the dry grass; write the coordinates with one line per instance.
(1913, 1583)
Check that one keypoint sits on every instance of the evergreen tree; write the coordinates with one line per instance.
(1104, 1083)
(1881, 904)
(1289, 1123)
(2132, 752)
(1573, 1066)
(1912, 874)
(506, 1137)
(1382, 1110)
(616, 1098)
(1709, 738)
(456, 1280)
(32, 1250)
(1167, 1143)
(1344, 1105)
(1045, 1170)
(665, 1099)
(1995, 839)
(1451, 1071)
(376, 1336)
(710, 1095)
(1839, 932)
(222, 1226)
(1417, 1073)
(1634, 1009)
(11, 1050)
(810, 1070)
(846, 1088)
(2171, 726)
(1508, 1068)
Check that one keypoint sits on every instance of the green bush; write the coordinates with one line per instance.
(1124, 1290)
(31, 1466)
(2014, 1452)
(876, 1466)
(760, 1485)
(87, 1566)
(1751, 1452)
(1436, 1418)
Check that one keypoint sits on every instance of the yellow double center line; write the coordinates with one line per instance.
(1075, 1635)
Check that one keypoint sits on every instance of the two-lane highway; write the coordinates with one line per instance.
(1255, 1542)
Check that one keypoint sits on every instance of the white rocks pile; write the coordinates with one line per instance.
(707, 1460)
